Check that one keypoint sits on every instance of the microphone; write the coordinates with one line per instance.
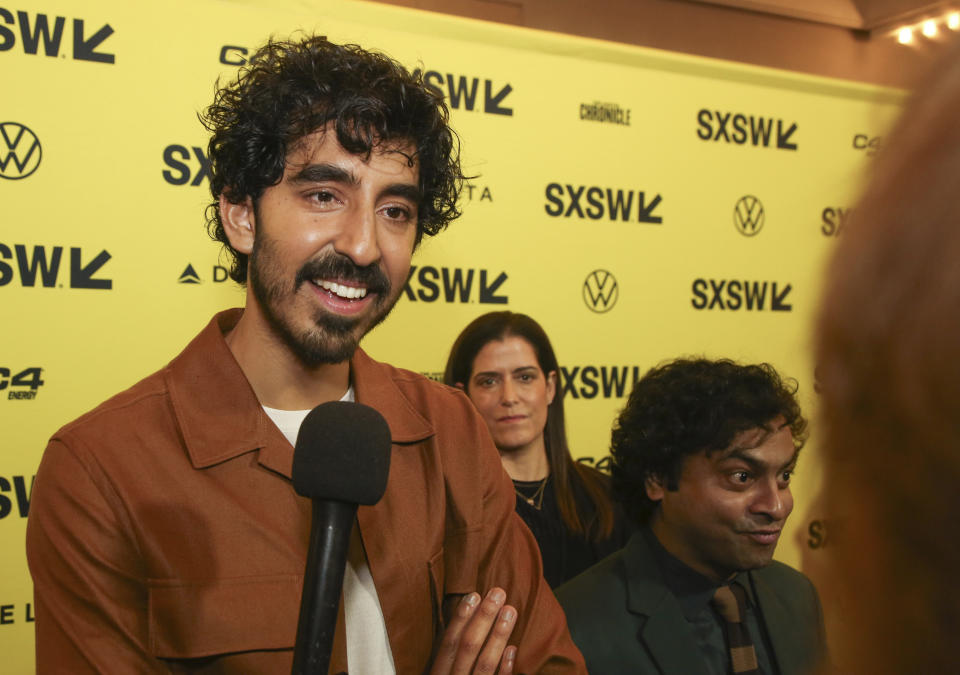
(341, 459)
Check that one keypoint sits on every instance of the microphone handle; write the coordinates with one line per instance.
(322, 585)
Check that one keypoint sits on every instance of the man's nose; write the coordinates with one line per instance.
(772, 500)
(357, 238)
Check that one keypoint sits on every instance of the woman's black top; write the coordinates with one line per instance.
(564, 553)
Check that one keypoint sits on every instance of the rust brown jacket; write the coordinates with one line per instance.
(165, 536)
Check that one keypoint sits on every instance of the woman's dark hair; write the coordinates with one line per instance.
(289, 90)
(688, 406)
(499, 326)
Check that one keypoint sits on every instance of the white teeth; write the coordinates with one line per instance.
(349, 292)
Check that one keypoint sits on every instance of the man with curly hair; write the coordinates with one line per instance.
(164, 533)
(702, 457)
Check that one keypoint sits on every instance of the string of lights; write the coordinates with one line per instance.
(928, 28)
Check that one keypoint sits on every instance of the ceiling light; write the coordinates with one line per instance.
(905, 36)
(929, 28)
(953, 20)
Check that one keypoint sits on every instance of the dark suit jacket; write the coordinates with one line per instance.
(625, 620)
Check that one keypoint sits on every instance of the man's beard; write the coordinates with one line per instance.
(333, 338)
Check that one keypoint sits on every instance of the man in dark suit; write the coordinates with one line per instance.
(702, 457)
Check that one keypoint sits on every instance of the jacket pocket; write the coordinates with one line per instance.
(435, 569)
(197, 619)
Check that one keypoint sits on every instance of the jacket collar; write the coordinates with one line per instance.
(665, 632)
(220, 417)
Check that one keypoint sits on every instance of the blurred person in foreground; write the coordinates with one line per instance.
(164, 533)
(703, 454)
(888, 360)
(505, 363)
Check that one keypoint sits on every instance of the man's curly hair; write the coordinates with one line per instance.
(688, 406)
(290, 89)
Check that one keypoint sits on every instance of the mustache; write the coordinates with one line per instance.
(339, 266)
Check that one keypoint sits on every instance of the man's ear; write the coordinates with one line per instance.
(459, 385)
(653, 485)
(239, 223)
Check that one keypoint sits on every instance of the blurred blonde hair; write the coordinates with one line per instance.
(888, 357)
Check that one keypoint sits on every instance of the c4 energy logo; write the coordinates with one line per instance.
(463, 92)
(741, 129)
(593, 381)
(610, 113)
(454, 285)
(870, 144)
(182, 168)
(737, 294)
(832, 220)
(43, 264)
(20, 151)
(35, 30)
(565, 200)
(600, 291)
(22, 384)
(748, 215)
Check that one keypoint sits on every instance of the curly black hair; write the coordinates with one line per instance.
(289, 89)
(688, 406)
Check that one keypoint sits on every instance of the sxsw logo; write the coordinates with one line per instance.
(37, 30)
(429, 284)
(20, 151)
(736, 294)
(15, 489)
(593, 381)
(740, 129)
(833, 219)
(43, 264)
(185, 165)
(463, 92)
(597, 203)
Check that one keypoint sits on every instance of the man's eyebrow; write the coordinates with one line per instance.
(323, 173)
(407, 191)
(742, 454)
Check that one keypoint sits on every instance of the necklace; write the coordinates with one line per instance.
(536, 498)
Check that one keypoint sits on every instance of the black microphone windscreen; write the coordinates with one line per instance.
(342, 453)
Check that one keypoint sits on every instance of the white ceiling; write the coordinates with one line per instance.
(866, 15)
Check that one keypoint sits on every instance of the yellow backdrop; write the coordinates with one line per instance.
(639, 204)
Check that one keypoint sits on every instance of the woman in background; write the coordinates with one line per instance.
(506, 365)
(888, 357)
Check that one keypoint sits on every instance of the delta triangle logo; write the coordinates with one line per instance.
(189, 276)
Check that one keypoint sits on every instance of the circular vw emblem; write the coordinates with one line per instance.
(748, 215)
(20, 151)
(600, 291)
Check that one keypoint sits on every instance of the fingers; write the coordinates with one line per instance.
(475, 640)
(496, 652)
(447, 654)
(485, 636)
(508, 661)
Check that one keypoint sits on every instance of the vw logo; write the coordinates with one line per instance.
(600, 291)
(748, 215)
(20, 151)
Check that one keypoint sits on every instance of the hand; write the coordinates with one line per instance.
(475, 640)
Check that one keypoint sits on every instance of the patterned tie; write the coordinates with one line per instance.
(730, 603)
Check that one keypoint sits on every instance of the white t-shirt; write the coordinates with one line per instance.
(368, 648)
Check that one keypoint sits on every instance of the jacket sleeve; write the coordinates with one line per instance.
(507, 556)
(89, 591)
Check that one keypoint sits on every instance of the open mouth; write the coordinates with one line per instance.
(340, 290)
